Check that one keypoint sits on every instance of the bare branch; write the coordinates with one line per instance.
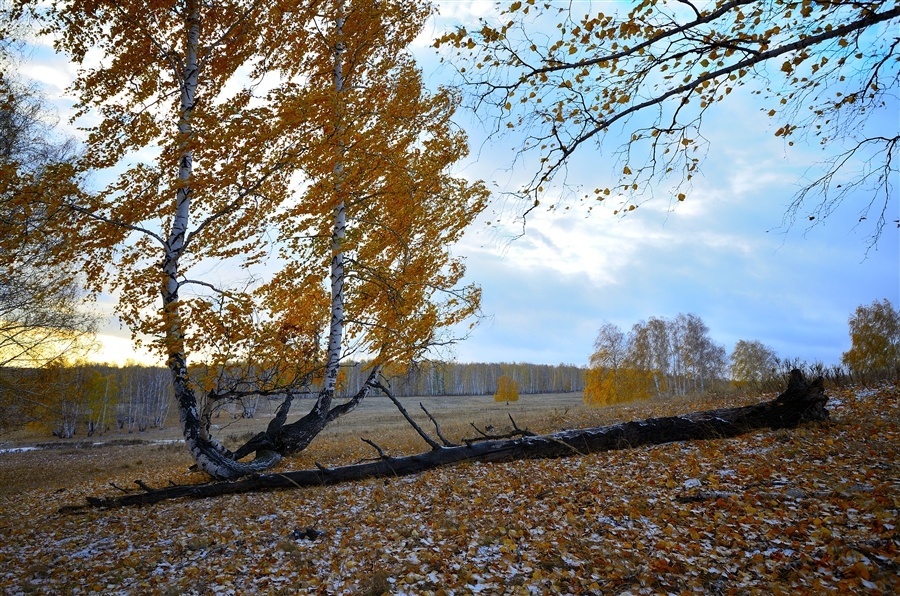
(115, 222)
(431, 442)
(604, 124)
(516, 432)
(377, 448)
(437, 428)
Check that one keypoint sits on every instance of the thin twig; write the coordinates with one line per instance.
(437, 428)
(522, 431)
(569, 445)
(516, 432)
(479, 431)
(377, 448)
(434, 444)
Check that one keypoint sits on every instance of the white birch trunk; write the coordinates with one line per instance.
(297, 436)
(211, 457)
(338, 234)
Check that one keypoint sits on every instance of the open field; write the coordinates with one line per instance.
(65, 463)
(813, 510)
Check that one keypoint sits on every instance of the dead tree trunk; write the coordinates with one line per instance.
(800, 402)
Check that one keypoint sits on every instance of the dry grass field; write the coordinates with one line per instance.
(60, 464)
(809, 511)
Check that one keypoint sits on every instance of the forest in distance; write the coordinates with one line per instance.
(88, 399)
(657, 358)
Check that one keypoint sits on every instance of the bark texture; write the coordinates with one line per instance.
(800, 402)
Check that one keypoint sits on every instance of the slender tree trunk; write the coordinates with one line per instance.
(339, 230)
(294, 437)
(210, 457)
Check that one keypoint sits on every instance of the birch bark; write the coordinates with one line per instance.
(210, 456)
(339, 231)
(297, 436)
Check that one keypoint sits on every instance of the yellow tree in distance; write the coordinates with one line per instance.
(293, 137)
(507, 389)
(875, 339)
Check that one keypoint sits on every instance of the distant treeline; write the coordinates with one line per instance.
(66, 399)
(90, 399)
(479, 378)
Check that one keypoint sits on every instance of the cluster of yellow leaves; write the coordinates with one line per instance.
(263, 185)
(875, 338)
(811, 510)
(507, 389)
(603, 387)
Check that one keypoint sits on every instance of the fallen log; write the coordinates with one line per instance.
(800, 402)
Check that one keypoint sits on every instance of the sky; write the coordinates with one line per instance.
(724, 254)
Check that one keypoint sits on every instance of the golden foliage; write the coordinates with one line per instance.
(605, 387)
(41, 303)
(507, 389)
(262, 179)
(875, 338)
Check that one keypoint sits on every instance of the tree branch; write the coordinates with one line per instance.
(801, 402)
(435, 446)
(764, 56)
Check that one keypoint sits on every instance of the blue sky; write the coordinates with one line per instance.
(723, 254)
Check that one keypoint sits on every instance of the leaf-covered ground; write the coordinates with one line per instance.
(808, 511)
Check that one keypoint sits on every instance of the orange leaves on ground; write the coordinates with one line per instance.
(811, 510)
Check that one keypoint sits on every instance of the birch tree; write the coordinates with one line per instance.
(752, 363)
(507, 389)
(875, 339)
(661, 356)
(602, 379)
(41, 311)
(703, 360)
(295, 144)
(639, 80)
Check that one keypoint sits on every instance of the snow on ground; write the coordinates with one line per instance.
(811, 510)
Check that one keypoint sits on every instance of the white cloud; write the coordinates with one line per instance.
(466, 11)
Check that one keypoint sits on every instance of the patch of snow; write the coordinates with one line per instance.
(692, 483)
(18, 449)
(784, 552)
(479, 587)
(486, 554)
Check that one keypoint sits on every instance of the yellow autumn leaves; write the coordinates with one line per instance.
(507, 389)
(669, 518)
(262, 187)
